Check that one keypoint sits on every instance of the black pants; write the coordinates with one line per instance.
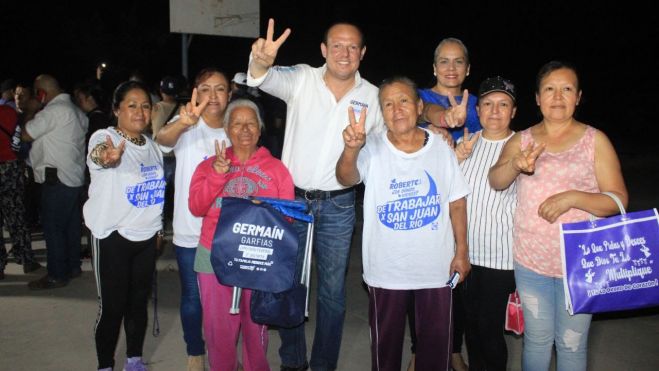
(485, 293)
(12, 213)
(124, 273)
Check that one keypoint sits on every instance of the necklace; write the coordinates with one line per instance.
(137, 141)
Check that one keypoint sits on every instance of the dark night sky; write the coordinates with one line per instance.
(610, 42)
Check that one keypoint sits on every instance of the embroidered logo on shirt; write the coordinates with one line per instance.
(285, 68)
(357, 107)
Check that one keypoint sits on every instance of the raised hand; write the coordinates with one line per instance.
(221, 164)
(464, 149)
(354, 135)
(524, 161)
(456, 115)
(264, 51)
(190, 113)
(111, 156)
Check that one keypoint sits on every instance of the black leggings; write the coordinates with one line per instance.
(124, 273)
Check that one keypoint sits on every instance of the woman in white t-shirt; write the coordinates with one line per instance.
(415, 226)
(124, 215)
(191, 136)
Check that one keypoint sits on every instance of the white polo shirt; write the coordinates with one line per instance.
(315, 121)
(59, 132)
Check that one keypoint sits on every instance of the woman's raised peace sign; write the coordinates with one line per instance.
(111, 156)
(221, 164)
(190, 113)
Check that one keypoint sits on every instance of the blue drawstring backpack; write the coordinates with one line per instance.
(256, 247)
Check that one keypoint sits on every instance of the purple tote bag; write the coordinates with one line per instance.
(611, 264)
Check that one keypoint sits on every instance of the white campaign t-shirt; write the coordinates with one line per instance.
(315, 120)
(127, 198)
(194, 145)
(408, 240)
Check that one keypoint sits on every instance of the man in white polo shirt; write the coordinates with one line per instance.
(317, 112)
(58, 160)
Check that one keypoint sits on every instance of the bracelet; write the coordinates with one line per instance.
(96, 153)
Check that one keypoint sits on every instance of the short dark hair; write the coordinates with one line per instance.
(552, 66)
(402, 80)
(123, 89)
(94, 90)
(361, 34)
(207, 72)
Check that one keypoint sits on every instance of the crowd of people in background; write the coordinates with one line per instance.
(448, 188)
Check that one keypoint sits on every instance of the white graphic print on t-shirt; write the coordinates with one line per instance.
(410, 210)
(149, 192)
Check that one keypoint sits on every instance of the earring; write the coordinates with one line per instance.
(434, 73)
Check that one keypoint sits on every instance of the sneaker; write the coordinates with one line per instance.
(196, 363)
(134, 364)
(30, 266)
(17, 257)
(46, 282)
(304, 367)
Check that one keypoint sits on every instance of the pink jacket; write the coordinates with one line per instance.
(262, 175)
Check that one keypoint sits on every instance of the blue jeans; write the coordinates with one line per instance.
(190, 308)
(547, 321)
(334, 221)
(62, 223)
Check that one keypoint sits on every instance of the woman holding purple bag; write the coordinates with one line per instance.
(561, 165)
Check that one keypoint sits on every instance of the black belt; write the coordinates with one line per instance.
(316, 194)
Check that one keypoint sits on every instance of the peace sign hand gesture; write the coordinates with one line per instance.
(464, 149)
(190, 113)
(221, 164)
(524, 161)
(111, 156)
(456, 115)
(264, 51)
(354, 135)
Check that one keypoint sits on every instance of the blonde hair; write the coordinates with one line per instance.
(451, 40)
